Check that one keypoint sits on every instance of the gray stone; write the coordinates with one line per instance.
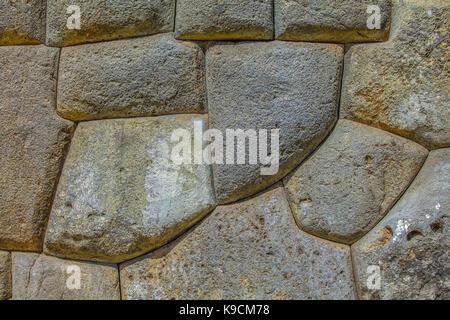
(22, 22)
(120, 195)
(33, 142)
(402, 85)
(5, 275)
(107, 20)
(39, 277)
(224, 20)
(411, 244)
(349, 184)
(293, 87)
(139, 77)
(248, 250)
(341, 21)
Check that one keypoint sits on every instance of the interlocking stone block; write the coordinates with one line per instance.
(402, 85)
(411, 244)
(5, 275)
(248, 250)
(341, 21)
(224, 20)
(293, 87)
(349, 184)
(22, 22)
(33, 141)
(107, 20)
(120, 195)
(138, 77)
(39, 277)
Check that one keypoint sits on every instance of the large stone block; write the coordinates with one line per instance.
(248, 250)
(349, 184)
(224, 20)
(107, 20)
(5, 275)
(138, 77)
(341, 21)
(402, 85)
(411, 244)
(22, 22)
(293, 87)
(39, 277)
(120, 195)
(33, 140)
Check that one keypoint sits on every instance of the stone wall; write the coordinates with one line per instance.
(93, 207)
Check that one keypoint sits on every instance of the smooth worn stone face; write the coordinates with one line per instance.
(224, 20)
(120, 195)
(33, 142)
(5, 275)
(248, 250)
(139, 77)
(39, 277)
(411, 244)
(293, 87)
(348, 185)
(402, 86)
(341, 21)
(101, 20)
(22, 22)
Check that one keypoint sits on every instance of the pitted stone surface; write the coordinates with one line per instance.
(248, 250)
(293, 87)
(47, 278)
(341, 21)
(348, 185)
(120, 195)
(402, 86)
(5, 275)
(22, 22)
(33, 140)
(139, 77)
(107, 20)
(411, 244)
(224, 20)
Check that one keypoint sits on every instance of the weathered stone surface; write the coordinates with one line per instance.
(402, 86)
(224, 20)
(120, 195)
(340, 21)
(47, 278)
(270, 85)
(22, 22)
(411, 244)
(138, 77)
(33, 140)
(248, 250)
(5, 275)
(349, 184)
(107, 20)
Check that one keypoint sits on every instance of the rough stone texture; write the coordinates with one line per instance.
(224, 20)
(33, 140)
(22, 22)
(39, 277)
(248, 250)
(341, 21)
(120, 195)
(411, 244)
(402, 86)
(138, 77)
(270, 85)
(5, 275)
(349, 184)
(107, 20)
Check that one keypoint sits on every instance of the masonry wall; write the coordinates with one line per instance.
(93, 207)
